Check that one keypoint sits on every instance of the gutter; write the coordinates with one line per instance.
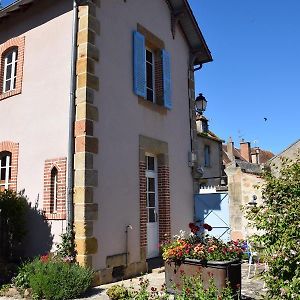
(71, 138)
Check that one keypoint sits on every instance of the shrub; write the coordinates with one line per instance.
(118, 292)
(278, 222)
(193, 288)
(12, 216)
(54, 279)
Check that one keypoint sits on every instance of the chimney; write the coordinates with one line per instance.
(245, 150)
(230, 147)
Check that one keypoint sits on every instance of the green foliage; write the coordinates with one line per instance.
(54, 279)
(193, 288)
(118, 292)
(13, 208)
(278, 222)
(66, 248)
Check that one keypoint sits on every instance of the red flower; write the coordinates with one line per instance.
(44, 258)
(207, 227)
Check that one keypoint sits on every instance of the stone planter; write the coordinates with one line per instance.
(221, 271)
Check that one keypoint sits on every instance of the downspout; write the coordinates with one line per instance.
(71, 141)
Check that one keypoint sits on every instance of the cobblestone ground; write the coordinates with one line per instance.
(252, 288)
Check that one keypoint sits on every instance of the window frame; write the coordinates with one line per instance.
(207, 156)
(152, 89)
(153, 174)
(18, 45)
(7, 167)
(14, 67)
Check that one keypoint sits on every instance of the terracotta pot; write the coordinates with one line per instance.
(221, 271)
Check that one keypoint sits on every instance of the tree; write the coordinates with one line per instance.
(277, 220)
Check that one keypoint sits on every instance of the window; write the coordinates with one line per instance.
(206, 156)
(151, 188)
(54, 203)
(11, 67)
(151, 68)
(53, 193)
(10, 70)
(150, 75)
(5, 169)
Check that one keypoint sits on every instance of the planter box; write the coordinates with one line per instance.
(221, 271)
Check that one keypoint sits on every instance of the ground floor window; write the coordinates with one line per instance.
(5, 169)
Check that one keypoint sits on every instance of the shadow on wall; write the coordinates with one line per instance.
(38, 239)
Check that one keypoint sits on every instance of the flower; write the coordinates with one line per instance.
(202, 247)
(207, 227)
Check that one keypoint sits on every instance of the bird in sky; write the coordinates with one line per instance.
(265, 119)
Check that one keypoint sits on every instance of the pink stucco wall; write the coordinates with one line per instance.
(37, 119)
(122, 119)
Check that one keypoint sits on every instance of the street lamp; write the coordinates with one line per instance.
(253, 201)
(200, 104)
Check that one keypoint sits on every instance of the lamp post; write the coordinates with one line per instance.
(200, 104)
(253, 201)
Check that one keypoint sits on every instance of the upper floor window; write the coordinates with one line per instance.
(11, 67)
(151, 68)
(206, 156)
(5, 169)
(150, 80)
(10, 70)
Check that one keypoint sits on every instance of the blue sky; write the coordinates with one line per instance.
(256, 69)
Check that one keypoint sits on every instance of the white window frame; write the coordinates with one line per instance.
(152, 174)
(153, 74)
(13, 65)
(7, 167)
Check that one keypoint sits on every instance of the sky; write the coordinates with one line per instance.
(255, 73)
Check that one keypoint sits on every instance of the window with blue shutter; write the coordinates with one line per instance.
(166, 70)
(139, 64)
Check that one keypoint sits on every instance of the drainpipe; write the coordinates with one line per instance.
(71, 142)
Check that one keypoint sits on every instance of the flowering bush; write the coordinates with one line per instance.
(200, 246)
(278, 222)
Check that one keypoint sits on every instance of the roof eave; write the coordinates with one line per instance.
(13, 7)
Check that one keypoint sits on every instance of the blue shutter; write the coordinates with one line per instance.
(139, 64)
(166, 66)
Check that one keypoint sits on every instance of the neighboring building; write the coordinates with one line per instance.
(243, 168)
(127, 88)
(292, 152)
(209, 153)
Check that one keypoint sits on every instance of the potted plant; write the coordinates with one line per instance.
(204, 255)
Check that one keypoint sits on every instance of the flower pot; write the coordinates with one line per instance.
(220, 271)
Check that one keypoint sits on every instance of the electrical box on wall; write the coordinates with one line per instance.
(192, 159)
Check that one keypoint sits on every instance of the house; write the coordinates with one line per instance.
(292, 152)
(243, 167)
(209, 154)
(97, 122)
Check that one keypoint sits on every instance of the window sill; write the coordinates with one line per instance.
(55, 216)
(10, 94)
(152, 106)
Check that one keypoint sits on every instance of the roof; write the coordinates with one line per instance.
(191, 30)
(248, 167)
(283, 151)
(17, 5)
(264, 155)
(180, 9)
